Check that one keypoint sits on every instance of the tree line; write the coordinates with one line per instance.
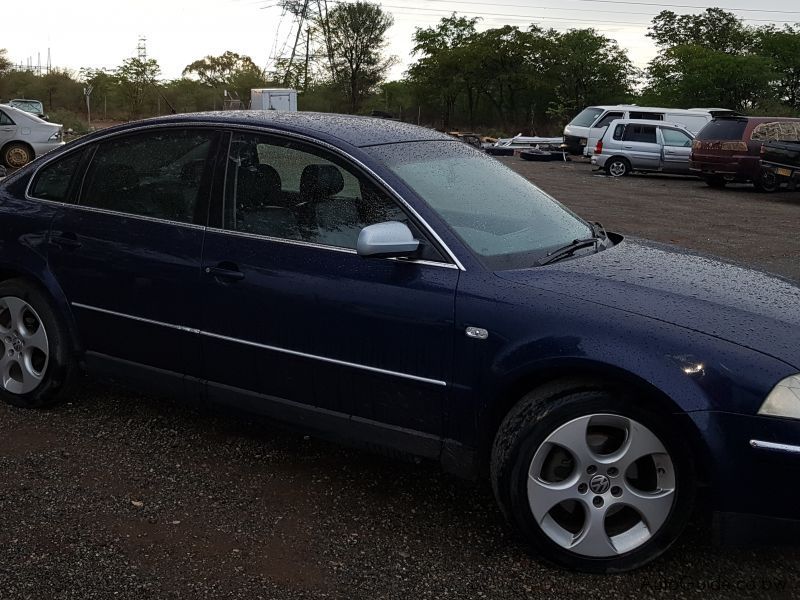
(504, 79)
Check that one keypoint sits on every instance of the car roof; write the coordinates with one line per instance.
(355, 130)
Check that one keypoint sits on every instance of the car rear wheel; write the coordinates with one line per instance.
(617, 167)
(17, 155)
(767, 181)
(593, 482)
(37, 360)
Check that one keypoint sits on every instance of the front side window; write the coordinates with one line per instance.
(640, 133)
(502, 217)
(53, 180)
(286, 190)
(586, 117)
(675, 138)
(606, 120)
(5, 119)
(157, 174)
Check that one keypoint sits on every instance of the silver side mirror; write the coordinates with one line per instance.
(388, 239)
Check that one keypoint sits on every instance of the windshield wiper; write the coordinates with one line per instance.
(568, 250)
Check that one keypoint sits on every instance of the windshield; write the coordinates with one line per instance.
(586, 117)
(505, 219)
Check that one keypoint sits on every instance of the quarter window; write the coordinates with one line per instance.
(156, 174)
(282, 190)
(53, 180)
(619, 131)
(5, 119)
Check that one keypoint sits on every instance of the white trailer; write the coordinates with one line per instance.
(273, 99)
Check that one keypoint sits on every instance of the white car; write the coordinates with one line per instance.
(24, 136)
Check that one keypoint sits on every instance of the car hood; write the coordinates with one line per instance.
(749, 308)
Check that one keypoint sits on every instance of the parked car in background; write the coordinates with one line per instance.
(631, 145)
(780, 164)
(35, 107)
(580, 138)
(728, 149)
(24, 136)
(395, 288)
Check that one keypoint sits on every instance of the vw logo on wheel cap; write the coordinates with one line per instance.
(599, 484)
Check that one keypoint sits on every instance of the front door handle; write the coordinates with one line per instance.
(226, 271)
(628, 147)
(66, 241)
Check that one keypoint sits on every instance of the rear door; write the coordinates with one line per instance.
(677, 150)
(641, 146)
(8, 130)
(127, 254)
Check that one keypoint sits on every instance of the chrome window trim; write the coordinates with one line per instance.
(775, 446)
(269, 131)
(116, 213)
(226, 338)
(267, 238)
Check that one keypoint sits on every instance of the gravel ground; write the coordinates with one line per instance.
(120, 495)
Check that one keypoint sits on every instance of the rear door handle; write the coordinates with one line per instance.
(628, 147)
(225, 271)
(67, 241)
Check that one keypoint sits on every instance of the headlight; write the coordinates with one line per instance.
(784, 399)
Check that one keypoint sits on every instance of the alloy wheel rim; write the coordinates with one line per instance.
(617, 169)
(601, 485)
(26, 351)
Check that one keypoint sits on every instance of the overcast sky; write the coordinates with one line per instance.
(102, 33)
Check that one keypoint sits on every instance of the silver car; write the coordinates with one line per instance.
(641, 145)
(24, 136)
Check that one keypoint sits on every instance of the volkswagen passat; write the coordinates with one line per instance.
(393, 287)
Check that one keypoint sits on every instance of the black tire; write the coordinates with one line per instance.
(767, 182)
(715, 181)
(538, 415)
(16, 155)
(617, 166)
(61, 364)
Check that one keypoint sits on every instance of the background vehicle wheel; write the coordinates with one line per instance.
(767, 181)
(592, 481)
(715, 181)
(17, 155)
(37, 361)
(617, 167)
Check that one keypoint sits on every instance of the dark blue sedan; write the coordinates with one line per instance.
(392, 287)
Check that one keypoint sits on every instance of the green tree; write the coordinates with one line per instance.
(782, 46)
(135, 78)
(5, 63)
(356, 34)
(714, 29)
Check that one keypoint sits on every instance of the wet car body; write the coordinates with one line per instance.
(419, 356)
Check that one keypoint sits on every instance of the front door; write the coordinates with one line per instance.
(295, 319)
(127, 254)
(677, 151)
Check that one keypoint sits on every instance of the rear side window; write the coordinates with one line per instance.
(53, 180)
(156, 174)
(723, 129)
(640, 133)
(646, 115)
(5, 119)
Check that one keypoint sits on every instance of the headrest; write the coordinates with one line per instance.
(320, 181)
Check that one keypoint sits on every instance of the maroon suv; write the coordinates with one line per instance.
(727, 149)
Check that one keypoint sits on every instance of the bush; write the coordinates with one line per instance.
(69, 120)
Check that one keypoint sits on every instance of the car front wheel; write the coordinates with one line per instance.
(592, 481)
(37, 360)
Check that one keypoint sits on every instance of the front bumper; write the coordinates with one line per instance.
(574, 144)
(754, 469)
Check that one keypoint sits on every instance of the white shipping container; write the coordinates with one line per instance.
(273, 99)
